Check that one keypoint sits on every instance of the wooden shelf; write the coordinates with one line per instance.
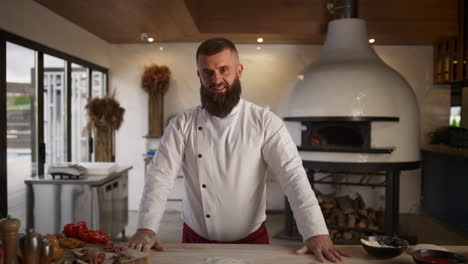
(451, 54)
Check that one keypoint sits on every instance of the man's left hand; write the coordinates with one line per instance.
(322, 247)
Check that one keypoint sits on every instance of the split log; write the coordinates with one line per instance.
(347, 236)
(372, 216)
(359, 202)
(327, 205)
(363, 213)
(344, 202)
(352, 218)
(341, 219)
(363, 223)
(381, 217)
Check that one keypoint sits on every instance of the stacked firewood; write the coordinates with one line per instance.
(344, 211)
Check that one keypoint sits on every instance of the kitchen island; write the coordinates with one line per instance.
(267, 254)
(99, 199)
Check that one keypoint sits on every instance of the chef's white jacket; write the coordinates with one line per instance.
(224, 163)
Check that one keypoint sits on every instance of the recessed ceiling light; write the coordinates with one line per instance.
(371, 40)
(259, 48)
(161, 48)
(260, 40)
(150, 39)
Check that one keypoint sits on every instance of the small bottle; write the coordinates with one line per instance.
(30, 247)
(9, 234)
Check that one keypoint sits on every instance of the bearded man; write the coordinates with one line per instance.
(224, 148)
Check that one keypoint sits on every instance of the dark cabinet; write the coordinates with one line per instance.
(445, 187)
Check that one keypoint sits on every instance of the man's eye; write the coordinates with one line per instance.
(223, 70)
(208, 73)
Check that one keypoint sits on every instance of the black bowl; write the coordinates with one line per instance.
(443, 256)
(398, 245)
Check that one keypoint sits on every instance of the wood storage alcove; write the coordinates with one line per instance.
(104, 117)
(155, 81)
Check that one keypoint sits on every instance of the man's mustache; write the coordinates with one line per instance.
(218, 85)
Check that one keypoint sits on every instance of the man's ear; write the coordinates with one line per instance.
(240, 69)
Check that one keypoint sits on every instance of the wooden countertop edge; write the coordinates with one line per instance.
(444, 149)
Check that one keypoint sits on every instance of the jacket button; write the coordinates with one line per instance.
(203, 185)
(200, 128)
(199, 155)
(208, 216)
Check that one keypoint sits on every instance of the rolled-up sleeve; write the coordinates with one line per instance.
(160, 177)
(280, 153)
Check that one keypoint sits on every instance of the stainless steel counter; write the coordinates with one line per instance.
(100, 200)
(90, 179)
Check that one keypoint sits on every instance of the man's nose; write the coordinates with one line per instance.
(216, 77)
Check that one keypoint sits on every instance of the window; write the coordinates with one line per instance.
(21, 126)
(55, 110)
(455, 116)
(43, 93)
(80, 95)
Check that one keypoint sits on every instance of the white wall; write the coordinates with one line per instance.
(269, 74)
(30, 20)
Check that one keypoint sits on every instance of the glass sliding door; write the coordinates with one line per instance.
(80, 94)
(22, 154)
(55, 110)
(98, 84)
(43, 94)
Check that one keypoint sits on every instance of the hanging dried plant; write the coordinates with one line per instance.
(104, 112)
(156, 77)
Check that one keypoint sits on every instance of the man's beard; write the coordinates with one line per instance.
(221, 104)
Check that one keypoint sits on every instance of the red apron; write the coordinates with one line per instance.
(258, 237)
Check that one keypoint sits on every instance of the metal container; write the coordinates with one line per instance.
(46, 252)
(30, 244)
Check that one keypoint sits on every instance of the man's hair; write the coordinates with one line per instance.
(214, 46)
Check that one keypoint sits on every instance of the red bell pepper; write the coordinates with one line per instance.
(99, 236)
(85, 235)
(73, 229)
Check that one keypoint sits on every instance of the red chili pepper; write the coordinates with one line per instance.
(101, 257)
(73, 229)
(109, 247)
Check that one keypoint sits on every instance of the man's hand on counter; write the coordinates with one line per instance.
(322, 247)
(145, 239)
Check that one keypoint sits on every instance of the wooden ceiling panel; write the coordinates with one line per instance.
(395, 22)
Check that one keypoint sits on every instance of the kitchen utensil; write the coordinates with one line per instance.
(30, 246)
(46, 252)
(429, 256)
(386, 246)
(9, 234)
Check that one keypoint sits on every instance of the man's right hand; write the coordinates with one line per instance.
(145, 239)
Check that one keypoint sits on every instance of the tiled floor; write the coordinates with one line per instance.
(427, 229)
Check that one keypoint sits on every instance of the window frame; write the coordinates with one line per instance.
(6, 36)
